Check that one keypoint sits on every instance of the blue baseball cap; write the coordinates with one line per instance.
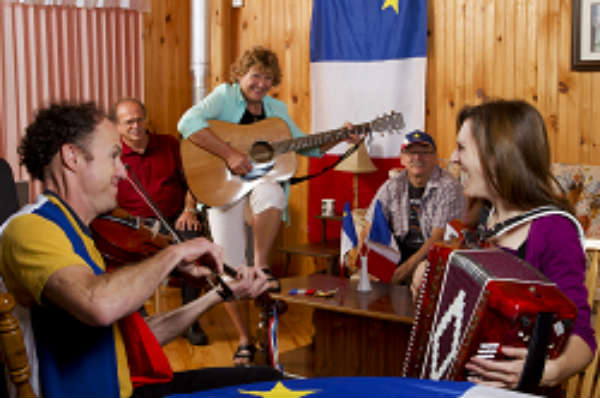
(418, 136)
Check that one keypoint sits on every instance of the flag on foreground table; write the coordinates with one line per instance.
(357, 387)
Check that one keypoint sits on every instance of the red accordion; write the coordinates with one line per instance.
(472, 302)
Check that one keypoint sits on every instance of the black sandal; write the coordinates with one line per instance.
(245, 351)
(271, 278)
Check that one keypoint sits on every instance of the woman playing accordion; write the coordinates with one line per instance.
(504, 155)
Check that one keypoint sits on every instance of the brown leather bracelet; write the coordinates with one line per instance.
(223, 290)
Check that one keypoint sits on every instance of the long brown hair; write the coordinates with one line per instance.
(514, 153)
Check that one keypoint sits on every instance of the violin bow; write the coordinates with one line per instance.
(139, 188)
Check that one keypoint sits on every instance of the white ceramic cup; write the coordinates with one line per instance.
(328, 207)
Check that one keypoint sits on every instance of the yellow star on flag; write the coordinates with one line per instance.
(390, 3)
(279, 391)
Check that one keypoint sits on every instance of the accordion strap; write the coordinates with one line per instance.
(536, 354)
(513, 222)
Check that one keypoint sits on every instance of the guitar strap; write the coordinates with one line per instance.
(349, 151)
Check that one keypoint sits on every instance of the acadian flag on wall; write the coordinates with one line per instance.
(368, 57)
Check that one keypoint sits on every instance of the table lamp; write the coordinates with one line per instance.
(357, 163)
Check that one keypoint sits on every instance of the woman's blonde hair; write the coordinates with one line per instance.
(265, 59)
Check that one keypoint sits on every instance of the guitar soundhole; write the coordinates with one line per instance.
(261, 152)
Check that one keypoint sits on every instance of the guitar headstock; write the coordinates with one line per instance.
(389, 122)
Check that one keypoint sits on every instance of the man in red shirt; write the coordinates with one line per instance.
(156, 162)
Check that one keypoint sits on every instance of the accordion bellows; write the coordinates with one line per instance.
(472, 302)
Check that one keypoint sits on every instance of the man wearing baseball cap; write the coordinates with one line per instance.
(418, 202)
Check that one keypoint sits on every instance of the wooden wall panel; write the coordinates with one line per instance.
(168, 83)
(511, 49)
(220, 43)
(478, 50)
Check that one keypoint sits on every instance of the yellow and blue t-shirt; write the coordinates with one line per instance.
(38, 241)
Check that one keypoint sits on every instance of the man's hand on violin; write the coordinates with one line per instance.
(187, 221)
(250, 282)
(208, 254)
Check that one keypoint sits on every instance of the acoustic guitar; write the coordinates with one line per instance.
(270, 149)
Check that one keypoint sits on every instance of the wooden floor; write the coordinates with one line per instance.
(295, 332)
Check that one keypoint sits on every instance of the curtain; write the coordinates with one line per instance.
(64, 53)
(139, 5)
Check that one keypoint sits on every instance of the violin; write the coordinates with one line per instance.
(122, 238)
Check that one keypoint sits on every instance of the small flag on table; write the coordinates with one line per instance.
(348, 240)
(383, 254)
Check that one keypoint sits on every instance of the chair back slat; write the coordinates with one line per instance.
(12, 348)
(585, 383)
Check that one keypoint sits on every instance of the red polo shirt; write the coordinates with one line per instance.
(160, 172)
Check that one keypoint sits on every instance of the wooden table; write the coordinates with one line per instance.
(356, 334)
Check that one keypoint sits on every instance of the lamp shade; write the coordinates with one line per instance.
(358, 162)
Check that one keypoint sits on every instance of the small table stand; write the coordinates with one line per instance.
(328, 250)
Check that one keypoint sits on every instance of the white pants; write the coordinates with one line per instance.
(227, 223)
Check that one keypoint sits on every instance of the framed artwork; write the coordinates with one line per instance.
(585, 35)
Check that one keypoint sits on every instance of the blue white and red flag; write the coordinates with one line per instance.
(383, 253)
(348, 239)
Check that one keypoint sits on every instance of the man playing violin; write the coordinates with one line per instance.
(156, 162)
(51, 265)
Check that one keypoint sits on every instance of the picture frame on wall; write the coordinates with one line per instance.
(585, 35)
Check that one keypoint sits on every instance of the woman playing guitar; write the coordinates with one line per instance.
(244, 101)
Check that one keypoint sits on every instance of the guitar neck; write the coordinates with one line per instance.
(316, 140)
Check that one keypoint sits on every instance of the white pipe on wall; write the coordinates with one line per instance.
(199, 47)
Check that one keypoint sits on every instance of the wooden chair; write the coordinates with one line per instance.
(12, 348)
(585, 383)
(13, 353)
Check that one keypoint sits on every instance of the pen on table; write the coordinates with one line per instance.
(302, 292)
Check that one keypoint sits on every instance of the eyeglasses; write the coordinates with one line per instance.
(131, 122)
